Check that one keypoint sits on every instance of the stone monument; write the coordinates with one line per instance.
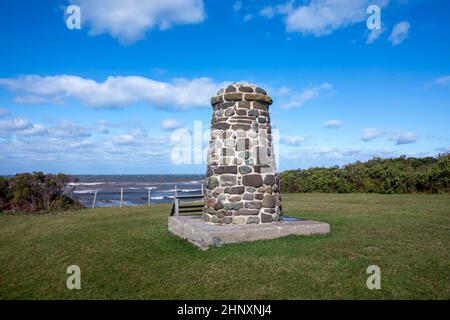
(242, 199)
(242, 185)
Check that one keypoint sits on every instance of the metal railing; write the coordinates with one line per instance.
(177, 195)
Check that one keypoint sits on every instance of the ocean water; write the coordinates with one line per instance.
(135, 188)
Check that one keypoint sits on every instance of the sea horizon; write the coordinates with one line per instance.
(136, 188)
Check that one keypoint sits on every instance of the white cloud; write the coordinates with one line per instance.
(248, 17)
(399, 137)
(442, 81)
(114, 91)
(298, 99)
(26, 128)
(406, 138)
(124, 139)
(4, 112)
(372, 133)
(129, 20)
(15, 124)
(399, 33)
(292, 140)
(30, 99)
(237, 6)
(283, 91)
(285, 8)
(322, 17)
(71, 129)
(171, 124)
(267, 12)
(333, 124)
(374, 35)
(34, 130)
(134, 146)
(179, 135)
(63, 129)
(23, 143)
(20, 127)
(334, 152)
(103, 127)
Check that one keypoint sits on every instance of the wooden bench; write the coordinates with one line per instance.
(188, 206)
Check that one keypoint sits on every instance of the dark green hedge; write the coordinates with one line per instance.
(397, 175)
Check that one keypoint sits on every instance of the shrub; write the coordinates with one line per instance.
(5, 194)
(35, 192)
(397, 175)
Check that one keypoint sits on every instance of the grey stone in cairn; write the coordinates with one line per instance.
(242, 185)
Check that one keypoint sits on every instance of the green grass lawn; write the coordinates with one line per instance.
(129, 254)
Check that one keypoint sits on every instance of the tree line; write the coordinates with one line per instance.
(386, 176)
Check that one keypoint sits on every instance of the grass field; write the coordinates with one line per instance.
(129, 254)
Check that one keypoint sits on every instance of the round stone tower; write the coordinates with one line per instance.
(242, 185)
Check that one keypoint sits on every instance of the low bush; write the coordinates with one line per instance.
(385, 176)
(37, 192)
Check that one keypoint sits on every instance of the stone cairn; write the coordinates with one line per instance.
(242, 185)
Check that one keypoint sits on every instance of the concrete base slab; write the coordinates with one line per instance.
(204, 235)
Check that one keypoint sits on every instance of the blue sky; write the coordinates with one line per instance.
(111, 97)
